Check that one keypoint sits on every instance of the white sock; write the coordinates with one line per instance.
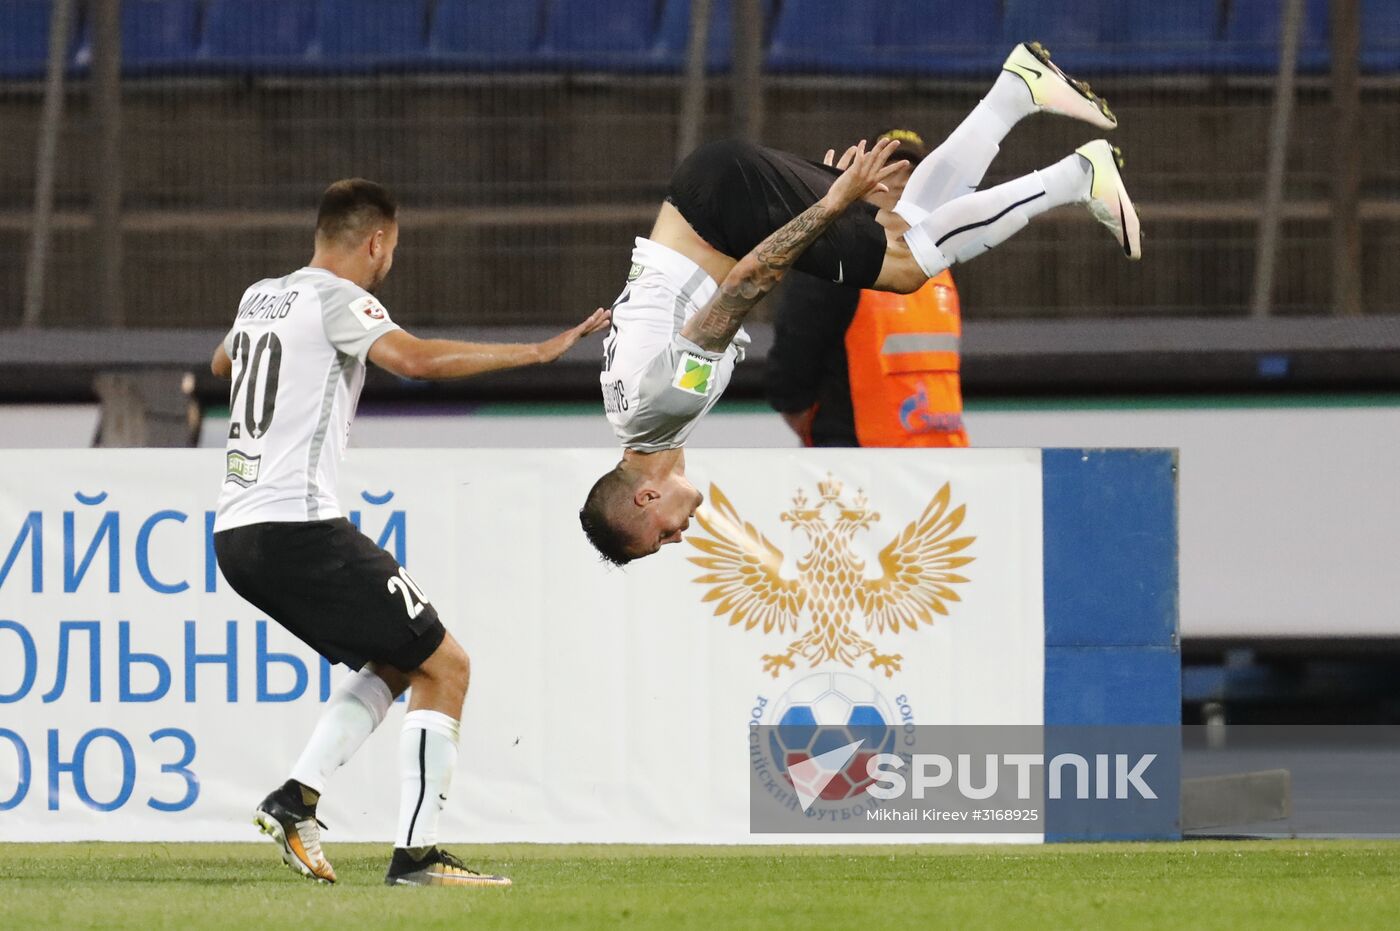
(355, 709)
(967, 226)
(957, 166)
(427, 759)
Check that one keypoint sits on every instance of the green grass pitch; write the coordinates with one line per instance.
(1194, 884)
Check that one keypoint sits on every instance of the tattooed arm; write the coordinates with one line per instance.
(756, 274)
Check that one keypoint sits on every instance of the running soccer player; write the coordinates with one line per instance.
(676, 328)
(297, 351)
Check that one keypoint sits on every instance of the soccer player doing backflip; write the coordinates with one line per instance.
(677, 326)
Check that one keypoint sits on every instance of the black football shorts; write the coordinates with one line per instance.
(333, 588)
(736, 194)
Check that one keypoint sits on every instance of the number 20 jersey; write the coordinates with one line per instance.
(298, 347)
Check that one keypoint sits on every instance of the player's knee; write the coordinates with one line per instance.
(458, 666)
(448, 664)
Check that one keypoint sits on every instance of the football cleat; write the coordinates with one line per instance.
(1054, 91)
(1108, 198)
(292, 825)
(436, 868)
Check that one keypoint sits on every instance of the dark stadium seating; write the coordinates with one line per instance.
(474, 35)
(374, 34)
(1168, 37)
(1252, 34)
(823, 35)
(1075, 29)
(251, 35)
(1380, 35)
(936, 37)
(916, 37)
(158, 33)
(674, 33)
(618, 35)
(24, 38)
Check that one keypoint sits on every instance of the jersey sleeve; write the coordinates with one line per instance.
(353, 318)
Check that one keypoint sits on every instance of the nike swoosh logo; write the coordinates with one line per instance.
(840, 273)
(1038, 74)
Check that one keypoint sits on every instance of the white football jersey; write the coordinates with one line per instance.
(298, 347)
(656, 383)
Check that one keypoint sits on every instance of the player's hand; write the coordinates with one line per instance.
(865, 175)
(552, 349)
(846, 157)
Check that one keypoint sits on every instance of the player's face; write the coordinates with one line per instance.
(382, 246)
(669, 514)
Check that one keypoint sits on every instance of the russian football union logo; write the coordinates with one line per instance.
(823, 732)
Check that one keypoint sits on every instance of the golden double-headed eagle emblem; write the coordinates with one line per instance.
(919, 569)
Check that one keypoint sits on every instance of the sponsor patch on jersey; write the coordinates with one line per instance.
(634, 272)
(694, 374)
(368, 311)
(241, 468)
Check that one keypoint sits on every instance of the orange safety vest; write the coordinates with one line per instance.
(903, 355)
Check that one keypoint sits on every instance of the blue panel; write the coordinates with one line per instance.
(24, 37)
(373, 33)
(1112, 685)
(617, 35)
(1110, 547)
(1114, 807)
(1252, 35)
(486, 33)
(1111, 649)
(253, 34)
(159, 34)
(1380, 35)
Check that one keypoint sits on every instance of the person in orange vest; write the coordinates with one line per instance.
(867, 368)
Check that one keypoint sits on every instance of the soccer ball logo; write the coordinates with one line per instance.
(825, 712)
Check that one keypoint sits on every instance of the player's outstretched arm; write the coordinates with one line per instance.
(221, 365)
(439, 359)
(757, 273)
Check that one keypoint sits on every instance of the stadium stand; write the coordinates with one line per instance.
(616, 36)
(270, 35)
(1175, 37)
(373, 34)
(24, 38)
(1252, 34)
(949, 37)
(919, 37)
(675, 29)
(1380, 35)
(157, 33)
(926, 37)
(473, 118)
(469, 34)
